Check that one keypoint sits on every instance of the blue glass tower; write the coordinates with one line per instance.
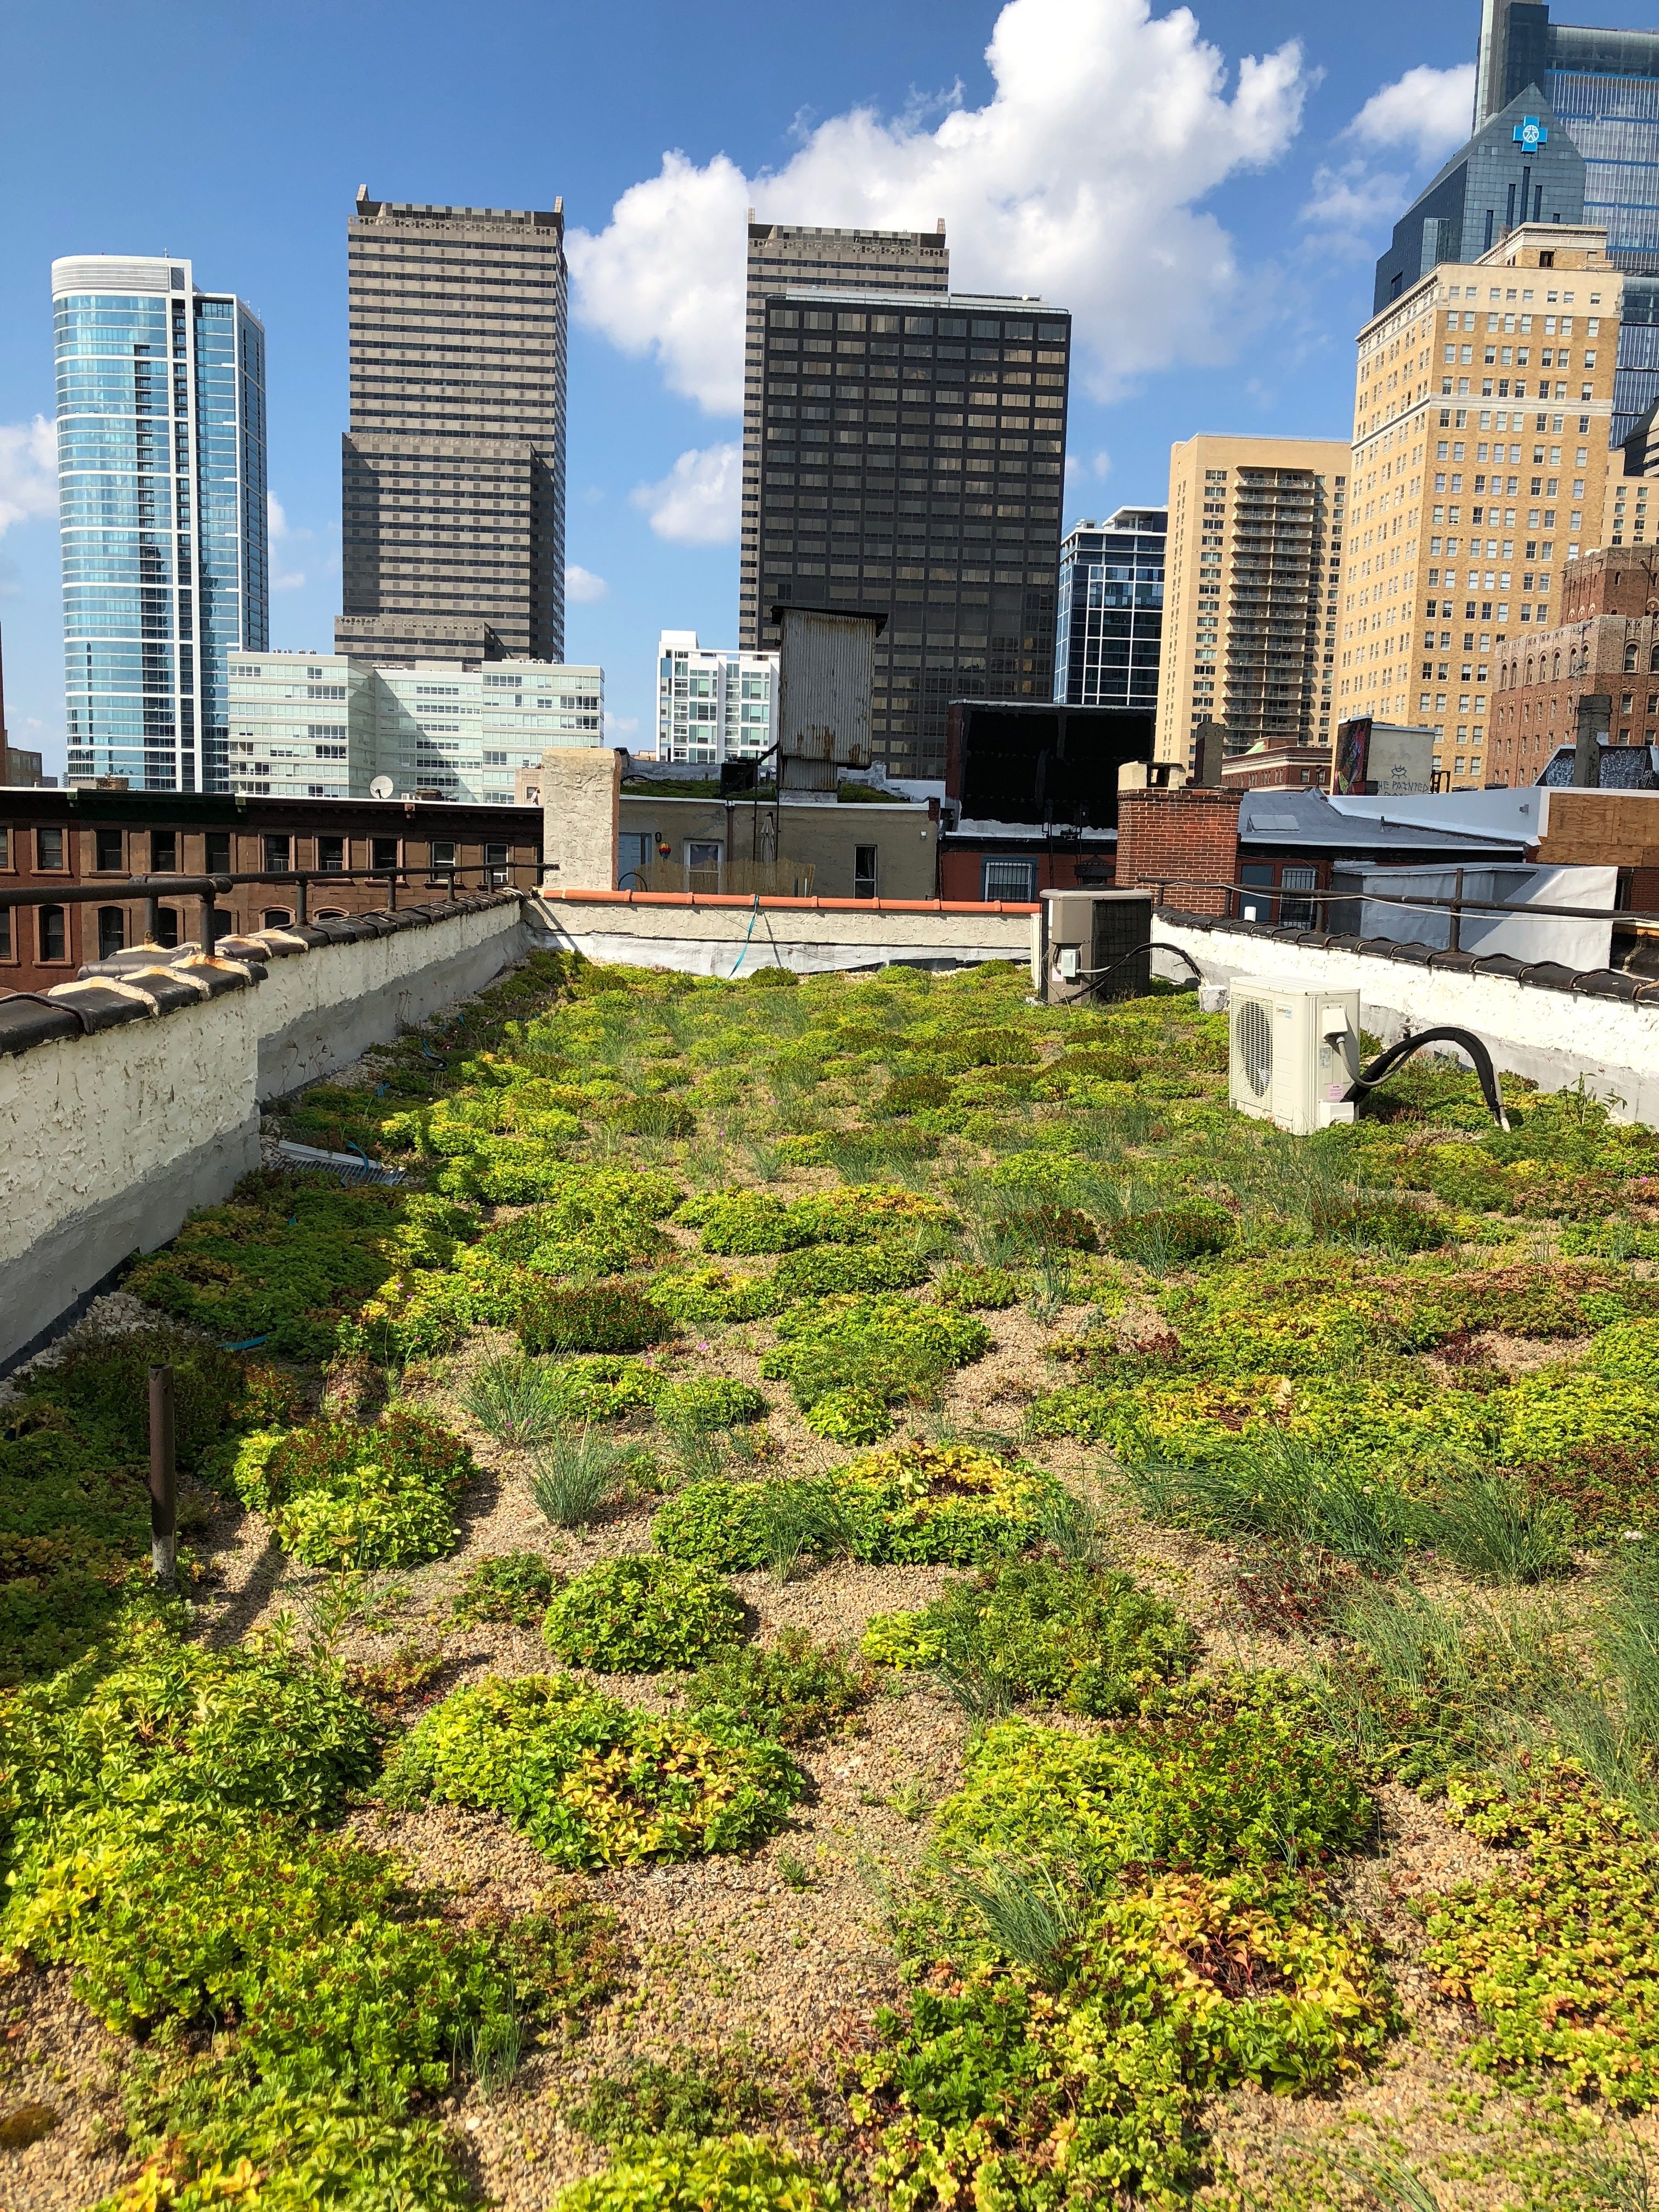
(1603, 88)
(162, 487)
(1109, 634)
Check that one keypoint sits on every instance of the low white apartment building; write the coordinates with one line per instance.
(319, 726)
(713, 704)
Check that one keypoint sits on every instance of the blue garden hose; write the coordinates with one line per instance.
(753, 918)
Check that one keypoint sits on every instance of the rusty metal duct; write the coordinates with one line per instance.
(826, 673)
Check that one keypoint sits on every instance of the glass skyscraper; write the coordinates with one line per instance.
(1109, 626)
(161, 483)
(1603, 88)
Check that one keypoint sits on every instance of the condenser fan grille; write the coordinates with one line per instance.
(1253, 1041)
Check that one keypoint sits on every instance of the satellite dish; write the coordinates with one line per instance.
(382, 787)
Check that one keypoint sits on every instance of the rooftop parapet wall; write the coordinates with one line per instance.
(703, 934)
(1555, 1026)
(132, 1095)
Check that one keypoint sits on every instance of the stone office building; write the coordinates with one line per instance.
(453, 466)
(911, 463)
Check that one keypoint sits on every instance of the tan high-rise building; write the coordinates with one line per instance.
(1480, 471)
(1251, 585)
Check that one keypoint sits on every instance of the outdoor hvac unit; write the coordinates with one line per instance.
(1295, 1055)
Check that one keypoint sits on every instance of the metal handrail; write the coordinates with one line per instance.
(1455, 905)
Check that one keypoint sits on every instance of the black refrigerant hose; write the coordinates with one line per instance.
(1384, 1065)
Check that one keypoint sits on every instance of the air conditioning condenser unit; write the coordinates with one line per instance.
(1294, 1054)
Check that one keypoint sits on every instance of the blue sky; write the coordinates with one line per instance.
(1204, 189)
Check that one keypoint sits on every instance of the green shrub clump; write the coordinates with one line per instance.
(176, 1725)
(289, 1258)
(590, 1782)
(1558, 1955)
(641, 1615)
(594, 1317)
(342, 1494)
(515, 1587)
(1174, 1237)
(1110, 1929)
(790, 1691)
(707, 1403)
(890, 1347)
(925, 1503)
(725, 2174)
(849, 1416)
(977, 1289)
(1092, 1641)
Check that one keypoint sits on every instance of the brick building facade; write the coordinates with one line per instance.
(1182, 837)
(71, 838)
(1607, 642)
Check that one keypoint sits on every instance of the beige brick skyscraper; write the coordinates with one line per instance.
(1480, 463)
(1250, 585)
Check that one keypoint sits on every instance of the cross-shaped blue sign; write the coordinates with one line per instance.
(1531, 133)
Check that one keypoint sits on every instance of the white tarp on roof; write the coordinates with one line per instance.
(1543, 937)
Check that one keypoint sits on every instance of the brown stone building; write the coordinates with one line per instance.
(1607, 643)
(72, 838)
(1278, 768)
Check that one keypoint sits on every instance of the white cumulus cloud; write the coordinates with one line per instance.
(1427, 110)
(582, 585)
(1407, 128)
(281, 533)
(28, 471)
(1081, 179)
(699, 502)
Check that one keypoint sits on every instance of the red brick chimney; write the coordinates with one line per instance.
(1183, 838)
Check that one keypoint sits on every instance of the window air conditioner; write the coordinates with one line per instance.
(1294, 1054)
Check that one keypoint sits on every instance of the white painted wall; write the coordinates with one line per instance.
(701, 939)
(111, 1139)
(1552, 1037)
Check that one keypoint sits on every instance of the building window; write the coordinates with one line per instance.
(107, 845)
(164, 852)
(703, 864)
(217, 845)
(277, 850)
(864, 871)
(1299, 912)
(5, 848)
(495, 869)
(49, 853)
(276, 917)
(167, 928)
(330, 855)
(112, 932)
(443, 856)
(54, 940)
(1008, 879)
(383, 853)
(5, 932)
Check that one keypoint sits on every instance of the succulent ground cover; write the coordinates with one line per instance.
(853, 1594)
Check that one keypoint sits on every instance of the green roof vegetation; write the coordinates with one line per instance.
(878, 1526)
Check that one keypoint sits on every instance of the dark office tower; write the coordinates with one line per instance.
(912, 461)
(453, 466)
(786, 256)
(1109, 629)
(1602, 87)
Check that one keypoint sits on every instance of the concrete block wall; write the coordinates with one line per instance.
(127, 1099)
